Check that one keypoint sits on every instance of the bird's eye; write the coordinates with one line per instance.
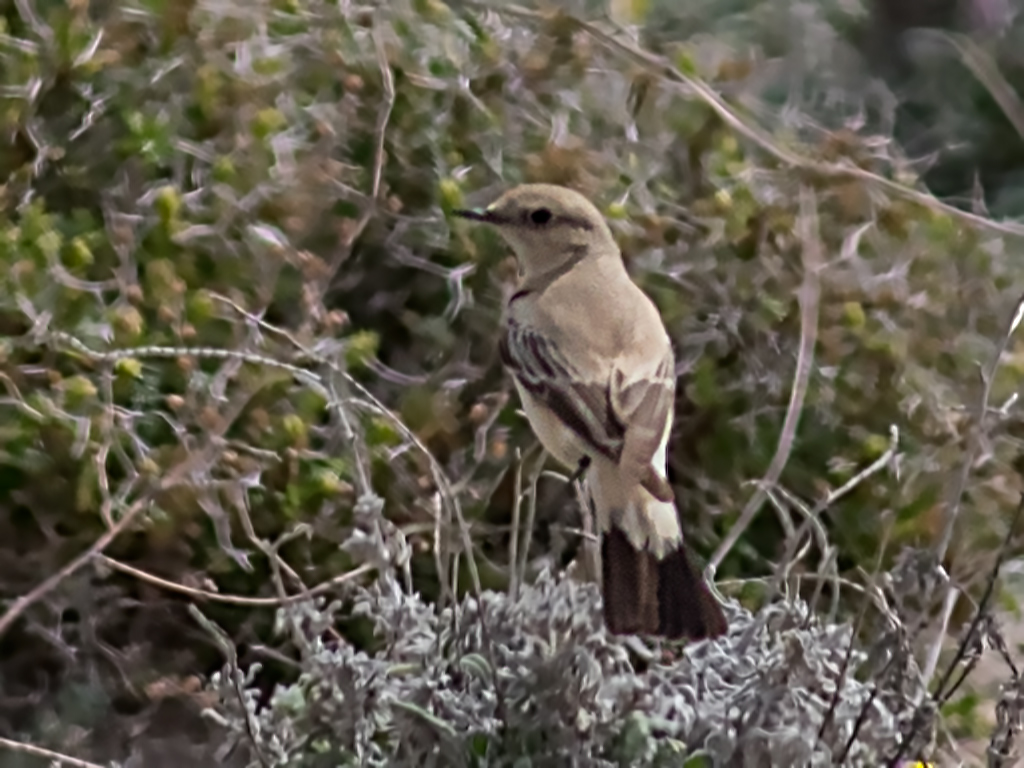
(540, 216)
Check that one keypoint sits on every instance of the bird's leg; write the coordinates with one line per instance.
(572, 488)
(589, 560)
(581, 469)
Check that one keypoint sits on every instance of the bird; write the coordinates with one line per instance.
(594, 367)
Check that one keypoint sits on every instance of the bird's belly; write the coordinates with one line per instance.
(557, 439)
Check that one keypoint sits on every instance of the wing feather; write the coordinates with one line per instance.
(543, 371)
(622, 418)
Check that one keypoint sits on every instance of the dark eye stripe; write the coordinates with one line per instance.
(574, 221)
(553, 218)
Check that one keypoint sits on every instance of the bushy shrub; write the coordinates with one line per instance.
(233, 305)
(537, 681)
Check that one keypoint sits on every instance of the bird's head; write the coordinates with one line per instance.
(547, 226)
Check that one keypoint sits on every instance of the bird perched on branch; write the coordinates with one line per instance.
(594, 368)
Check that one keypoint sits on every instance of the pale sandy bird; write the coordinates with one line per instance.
(594, 368)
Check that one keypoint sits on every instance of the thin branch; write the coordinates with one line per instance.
(978, 419)
(931, 662)
(940, 695)
(379, 157)
(172, 478)
(56, 758)
(874, 595)
(531, 515)
(447, 494)
(221, 639)
(862, 716)
(591, 536)
(256, 602)
(943, 690)
(987, 73)
(22, 603)
(810, 291)
(883, 461)
(811, 518)
(513, 541)
(451, 505)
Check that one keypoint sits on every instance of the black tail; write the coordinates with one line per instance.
(647, 596)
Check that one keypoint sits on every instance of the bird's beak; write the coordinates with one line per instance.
(477, 214)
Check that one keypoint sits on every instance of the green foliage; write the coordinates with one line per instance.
(276, 180)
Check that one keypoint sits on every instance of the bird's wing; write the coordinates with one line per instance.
(581, 402)
(624, 414)
(645, 403)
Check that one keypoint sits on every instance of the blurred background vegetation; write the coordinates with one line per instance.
(275, 177)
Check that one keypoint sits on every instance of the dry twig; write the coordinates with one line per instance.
(174, 476)
(754, 133)
(216, 597)
(379, 157)
(56, 758)
(810, 291)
